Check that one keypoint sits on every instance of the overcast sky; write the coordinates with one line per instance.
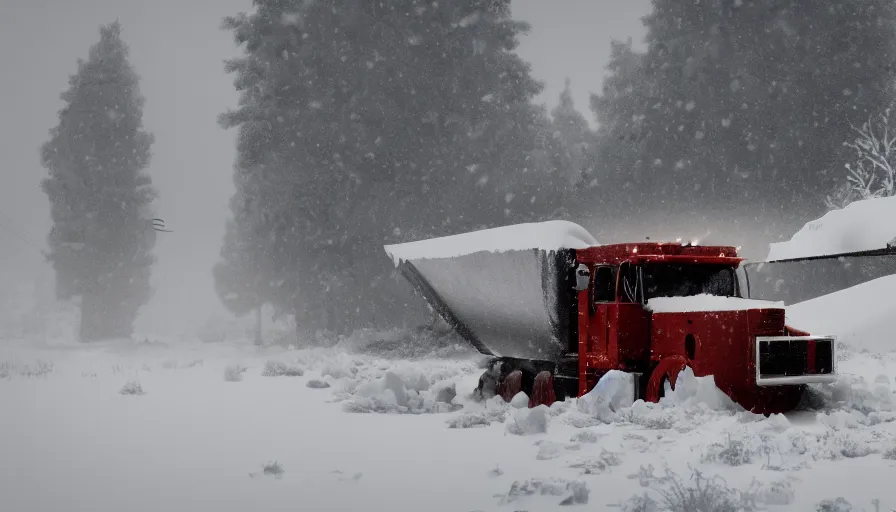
(177, 48)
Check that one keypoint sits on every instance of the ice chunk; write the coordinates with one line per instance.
(520, 401)
(528, 421)
(613, 392)
(690, 390)
(444, 392)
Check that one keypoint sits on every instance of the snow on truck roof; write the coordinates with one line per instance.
(548, 236)
(704, 303)
(861, 226)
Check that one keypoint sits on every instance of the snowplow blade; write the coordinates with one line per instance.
(800, 279)
(506, 300)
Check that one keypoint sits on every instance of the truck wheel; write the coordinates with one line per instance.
(668, 369)
(511, 385)
(543, 390)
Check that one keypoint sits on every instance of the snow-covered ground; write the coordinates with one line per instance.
(232, 427)
(385, 422)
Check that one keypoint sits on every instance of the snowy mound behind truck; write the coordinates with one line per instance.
(860, 314)
(558, 311)
(842, 249)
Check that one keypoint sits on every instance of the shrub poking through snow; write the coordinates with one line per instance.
(585, 436)
(730, 453)
(597, 465)
(132, 388)
(837, 505)
(39, 371)
(890, 454)
(234, 373)
(317, 384)
(575, 492)
(272, 468)
(281, 369)
(704, 494)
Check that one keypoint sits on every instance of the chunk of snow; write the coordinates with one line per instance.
(528, 421)
(861, 226)
(548, 236)
(444, 392)
(519, 401)
(614, 391)
(705, 303)
(690, 389)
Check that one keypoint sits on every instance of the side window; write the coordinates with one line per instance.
(604, 284)
(630, 283)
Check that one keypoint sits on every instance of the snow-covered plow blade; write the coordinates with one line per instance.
(800, 279)
(502, 289)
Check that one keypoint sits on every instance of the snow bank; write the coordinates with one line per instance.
(707, 303)
(403, 392)
(861, 316)
(550, 235)
(861, 226)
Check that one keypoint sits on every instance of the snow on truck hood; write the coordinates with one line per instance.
(861, 226)
(548, 236)
(703, 303)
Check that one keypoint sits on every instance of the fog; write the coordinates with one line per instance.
(178, 48)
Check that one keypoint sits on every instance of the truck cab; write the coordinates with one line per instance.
(653, 309)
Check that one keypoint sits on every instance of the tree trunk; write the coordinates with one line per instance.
(258, 340)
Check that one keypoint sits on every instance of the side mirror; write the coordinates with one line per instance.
(583, 277)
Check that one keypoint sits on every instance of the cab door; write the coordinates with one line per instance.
(628, 339)
(603, 295)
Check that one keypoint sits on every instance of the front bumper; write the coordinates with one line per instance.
(790, 360)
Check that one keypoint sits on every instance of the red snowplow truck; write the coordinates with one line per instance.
(558, 311)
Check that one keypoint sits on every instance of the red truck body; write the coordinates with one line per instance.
(616, 331)
(558, 319)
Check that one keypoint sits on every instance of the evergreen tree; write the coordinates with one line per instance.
(746, 103)
(101, 240)
(572, 138)
(377, 123)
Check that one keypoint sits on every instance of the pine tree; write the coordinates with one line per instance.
(746, 103)
(101, 240)
(572, 137)
(376, 123)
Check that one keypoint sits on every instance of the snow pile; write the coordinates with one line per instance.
(494, 410)
(408, 393)
(694, 399)
(704, 302)
(861, 226)
(692, 391)
(613, 392)
(524, 422)
(548, 236)
(860, 316)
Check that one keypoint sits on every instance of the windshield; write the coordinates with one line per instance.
(664, 280)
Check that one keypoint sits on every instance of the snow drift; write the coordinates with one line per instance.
(861, 226)
(859, 315)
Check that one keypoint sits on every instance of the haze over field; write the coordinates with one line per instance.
(178, 48)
